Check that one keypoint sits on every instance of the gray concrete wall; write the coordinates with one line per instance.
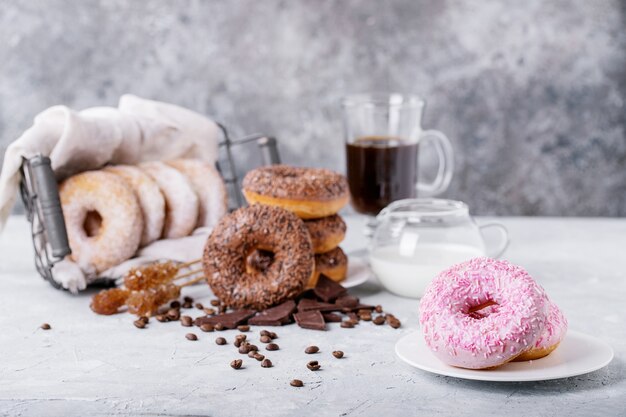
(531, 93)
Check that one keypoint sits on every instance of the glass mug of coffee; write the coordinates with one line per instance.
(383, 133)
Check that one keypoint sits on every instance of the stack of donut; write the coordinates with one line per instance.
(315, 195)
(483, 313)
(110, 213)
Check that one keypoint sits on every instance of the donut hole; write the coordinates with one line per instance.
(259, 260)
(483, 309)
(92, 223)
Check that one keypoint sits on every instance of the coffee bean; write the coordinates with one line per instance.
(207, 327)
(252, 354)
(264, 333)
(266, 363)
(313, 366)
(366, 317)
(162, 318)
(338, 354)
(272, 346)
(311, 349)
(258, 356)
(191, 336)
(215, 303)
(348, 324)
(175, 304)
(273, 335)
(236, 364)
(378, 308)
(378, 320)
(45, 326)
(253, 347)
(145, 319)
(296, 383)
(244, 349)
(219, 327)
(243, 328)
(265, 339)
(199, 306)
(220, 341)
(353, 317)
(395, 323)
(237, 342)
(209, 311)
(138, 324)
(186, 321)
(188, 299)
(187, 304)
(173, 314)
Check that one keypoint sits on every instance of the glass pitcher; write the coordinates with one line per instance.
(415, 239)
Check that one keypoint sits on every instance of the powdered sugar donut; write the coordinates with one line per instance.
(103, 219)
(209, 187)
(181, 202)
(552, 335)
(150, 200)
(461, 338)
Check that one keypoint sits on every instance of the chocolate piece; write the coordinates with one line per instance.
(306, 304)
(334, 318)
(227, 320)
(348, 301)
(328, 290)
(310, 320)
(275, 316)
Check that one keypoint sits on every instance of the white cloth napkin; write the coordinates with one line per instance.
(137, 130)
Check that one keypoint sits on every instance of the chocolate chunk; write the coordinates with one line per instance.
(227, 320)
(348, 301)
(275, 316)
(333, 317)
(310, 320)
(328, 290)
(307, 304)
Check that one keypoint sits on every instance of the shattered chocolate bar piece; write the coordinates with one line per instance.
(228, 320)
(331, 317)
(275, 316)
(306, 304)
(310, 320)
(328, 290)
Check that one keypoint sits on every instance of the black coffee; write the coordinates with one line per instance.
(380, 170)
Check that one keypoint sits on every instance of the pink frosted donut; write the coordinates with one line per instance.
(553, 333)
(150, 200)
(461, 338)
(102, 218)
(181, 202)
(209, 187)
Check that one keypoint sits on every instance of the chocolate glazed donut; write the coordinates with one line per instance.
(237, 237)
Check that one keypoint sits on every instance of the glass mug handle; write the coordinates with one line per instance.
(446, 164)
(504, 238)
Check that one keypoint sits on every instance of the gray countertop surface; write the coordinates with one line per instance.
(95, 365)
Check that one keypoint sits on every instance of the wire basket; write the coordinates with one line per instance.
(40, 194)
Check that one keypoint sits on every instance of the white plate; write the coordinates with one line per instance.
(577, 354)
(358, 273)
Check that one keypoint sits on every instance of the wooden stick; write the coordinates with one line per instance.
(192, 281)
(188, 274)
(188, 264)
